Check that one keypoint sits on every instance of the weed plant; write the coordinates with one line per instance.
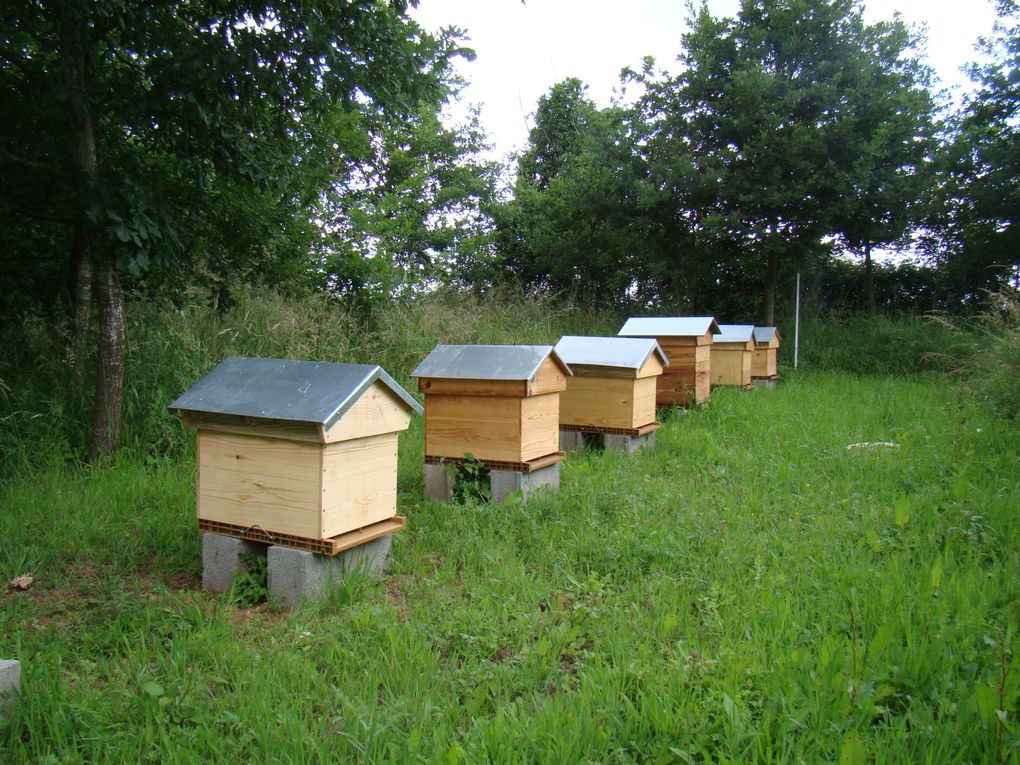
(750, 591)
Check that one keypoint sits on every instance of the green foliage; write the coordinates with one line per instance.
(250, 585)
(877, 345)
(173, 343)
(974, 237)
(992, 368)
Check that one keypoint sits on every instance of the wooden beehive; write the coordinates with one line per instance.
(612, 388)
(687, 343)
(495, 403)
(764, 362)
(297, 452)
(732, 352)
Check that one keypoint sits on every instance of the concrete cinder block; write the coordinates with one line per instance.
(295, 575)
(439, 482)
(10, 683)
(502, 483)
(629, 444)
(221, 559)
(571, 441)
(764, 383)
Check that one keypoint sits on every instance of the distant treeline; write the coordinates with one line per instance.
(152, 149)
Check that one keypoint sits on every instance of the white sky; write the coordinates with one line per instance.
(523, 49)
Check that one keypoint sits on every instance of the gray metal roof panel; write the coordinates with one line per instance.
(734, 333)
(668, 326)
(765, 334)
(486, 362)
(626, 352)
(285, 389)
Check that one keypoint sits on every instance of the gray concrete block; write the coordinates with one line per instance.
(10, 683)
(221, 559)
(439, 481)
(571, 441)
(295, 575)
(764, 383)
(629, 444)
(502, 483)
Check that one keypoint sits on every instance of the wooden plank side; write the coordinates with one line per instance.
(652, 368)
(540, 426)
(606, 402)
(251, 480)
(487, 427)
(643, 407)
(253, 426)
(586, 370)
(379, 410)
(725, 366)
(760, 363)
(359, 483)
(550, 378)
(441, 387)
(676, 386)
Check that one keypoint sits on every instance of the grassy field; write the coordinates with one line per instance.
(750, 591)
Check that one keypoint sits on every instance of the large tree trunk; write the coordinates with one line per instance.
(771, 277)
(106, 416)
(92, 251)
(869, 279)
(81, 302)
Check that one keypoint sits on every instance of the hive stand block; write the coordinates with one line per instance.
(629, 444)
(221, 559)
(572, 441)
(10, 683)
(439, 483)
(764, 383)
(502, 483)
(295, 575)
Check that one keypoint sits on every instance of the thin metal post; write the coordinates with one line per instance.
(796, 326)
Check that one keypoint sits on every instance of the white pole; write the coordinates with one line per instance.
(796, 326)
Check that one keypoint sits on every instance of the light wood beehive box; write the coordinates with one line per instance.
(494, 403)
(732, 354)
(687, 343)
(764, 362)
(298, 449)
(613, 386)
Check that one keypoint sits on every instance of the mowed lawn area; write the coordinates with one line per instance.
(754, 589)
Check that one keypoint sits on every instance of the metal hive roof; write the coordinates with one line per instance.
(765, 334)
(626, 352)
(486, 362)
(668, 326)
(734, 333)
(285, 389)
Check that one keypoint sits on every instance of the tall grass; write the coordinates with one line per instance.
(862, 344)
(170, 346)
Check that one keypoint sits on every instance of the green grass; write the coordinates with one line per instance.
(749, 591)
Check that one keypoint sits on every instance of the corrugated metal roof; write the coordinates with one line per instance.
(734, 333)
(765, 334)
(285, 389)
(668, 326)
(486, 362)
(626, 352)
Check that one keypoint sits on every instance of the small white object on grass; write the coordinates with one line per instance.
(875, 445)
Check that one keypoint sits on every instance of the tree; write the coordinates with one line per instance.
(975, 237)
(414, 213)
(767, 116)
(572, 224)
(143, 131)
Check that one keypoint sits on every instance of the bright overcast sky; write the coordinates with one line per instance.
(523, 49)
